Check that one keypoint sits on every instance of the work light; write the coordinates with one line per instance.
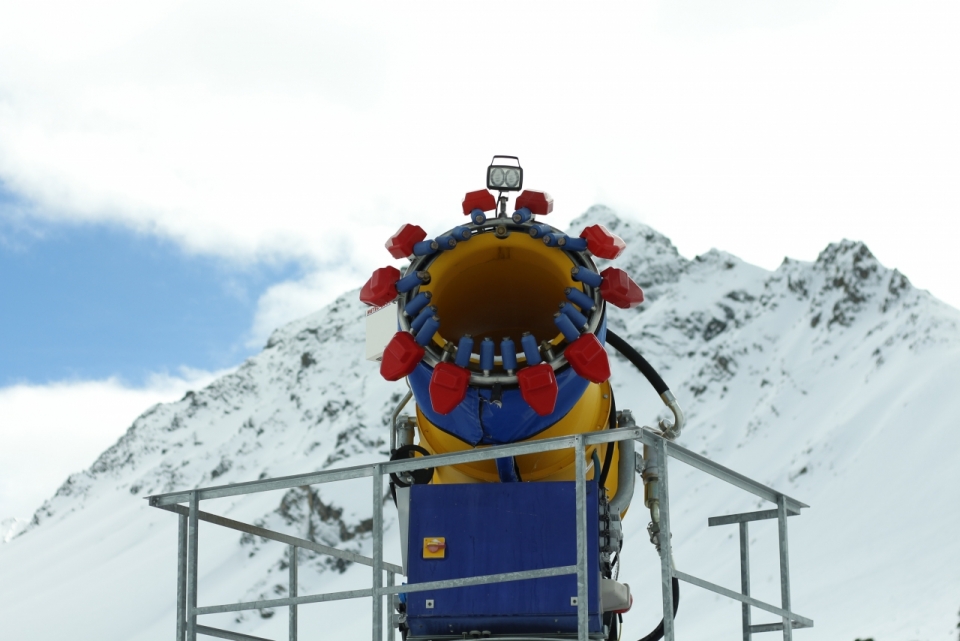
(505, 177)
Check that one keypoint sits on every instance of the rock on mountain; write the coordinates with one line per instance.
(833, 380)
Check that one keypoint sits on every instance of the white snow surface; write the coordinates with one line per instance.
(834, 381)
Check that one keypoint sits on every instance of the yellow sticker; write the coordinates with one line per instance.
(434, 547)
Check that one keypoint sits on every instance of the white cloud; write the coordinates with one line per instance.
(301, 129)
(48, 432)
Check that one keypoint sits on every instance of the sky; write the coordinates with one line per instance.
(178, 179)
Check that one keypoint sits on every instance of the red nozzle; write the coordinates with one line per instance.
(448, 387)
(619, 289)
(400, 245)
(400, 357)
(482, 200)
(602, 242)
(538, 202)
(588, 358)
(538, 386)
(381, 288)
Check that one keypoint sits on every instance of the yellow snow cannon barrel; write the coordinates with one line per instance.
(501, 325)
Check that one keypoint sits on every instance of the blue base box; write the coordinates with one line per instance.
(490, 528)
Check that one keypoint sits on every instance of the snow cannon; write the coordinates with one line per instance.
(500, 331)
(498, 326)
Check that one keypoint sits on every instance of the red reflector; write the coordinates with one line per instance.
(400, 357)
(400, 245)
(588, 358)
(381, 288)
(538, 202)
(538, 387)
(619, 289)
(482, 200)
(602, 242)
(448, 387)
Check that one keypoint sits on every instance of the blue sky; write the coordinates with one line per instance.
(96, 300)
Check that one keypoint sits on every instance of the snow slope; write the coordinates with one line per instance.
(834, 381)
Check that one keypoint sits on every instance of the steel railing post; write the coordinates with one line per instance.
(391, 581)
(192, 551)
(745, 579)
(377, 553)
(784, 567)
(666, 553)
(583, 613)
(293, 592)
(181, 576)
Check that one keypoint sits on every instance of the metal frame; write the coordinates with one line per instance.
(190, 516)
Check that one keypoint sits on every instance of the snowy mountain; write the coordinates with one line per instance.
(11, 527)
(834, 381)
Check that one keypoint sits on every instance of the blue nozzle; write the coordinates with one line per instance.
(409, 281)
(461, 233)
(419, 301)
(478, 217)
(430, 327)
(579, 320)
(446, 242)
(552, 239)
(530, 350)
(575, 244)
(464, 349)
(422, 318)
(522, 215)
(539, 229)
(565, 325)
(508, 354)
(486, 355)
(588, 276)
(578, 298)
(425, 248)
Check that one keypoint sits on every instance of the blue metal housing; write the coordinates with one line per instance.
(485, 536)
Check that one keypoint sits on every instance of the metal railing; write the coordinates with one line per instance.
(190, 514)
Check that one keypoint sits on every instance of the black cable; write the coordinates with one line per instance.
(608, 455)
(658, 631)
(639, 361)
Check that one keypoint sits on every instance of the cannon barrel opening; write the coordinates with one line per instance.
(499, 288)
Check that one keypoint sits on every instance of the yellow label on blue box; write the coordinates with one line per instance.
(434, 547)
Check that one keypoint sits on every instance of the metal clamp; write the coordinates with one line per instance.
(669, 430)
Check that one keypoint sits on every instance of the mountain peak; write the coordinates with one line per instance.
(848, 255)
(650, 257)
(632, 231)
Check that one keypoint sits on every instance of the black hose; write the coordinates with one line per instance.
(608, 455)
(639, 361)
(658, 631)
(651, 375)
(419, 477)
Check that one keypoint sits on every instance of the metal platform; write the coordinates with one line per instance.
(186, 504)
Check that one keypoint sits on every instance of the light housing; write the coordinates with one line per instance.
(504, 176)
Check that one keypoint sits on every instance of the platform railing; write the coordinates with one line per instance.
(187, 505)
